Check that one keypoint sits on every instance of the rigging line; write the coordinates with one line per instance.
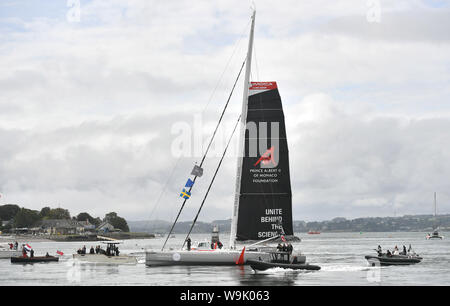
(206, 152)
(212, 181)
(226, 67)
(209, 101)
(164, 188)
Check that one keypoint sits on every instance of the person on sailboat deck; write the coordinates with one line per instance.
(188, 242)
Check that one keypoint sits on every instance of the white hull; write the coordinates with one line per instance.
(100, 258)
(202, 257)
(6, 254)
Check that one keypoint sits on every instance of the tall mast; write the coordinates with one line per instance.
(242, 135)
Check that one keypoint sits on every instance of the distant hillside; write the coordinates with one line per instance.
(424, 223)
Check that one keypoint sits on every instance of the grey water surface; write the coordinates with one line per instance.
(341, 256)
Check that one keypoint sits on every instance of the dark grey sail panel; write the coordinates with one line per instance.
(265, 199)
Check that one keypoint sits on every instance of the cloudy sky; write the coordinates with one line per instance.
(95, 95)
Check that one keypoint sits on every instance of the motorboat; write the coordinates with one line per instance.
(7, 252)
(388, 259)
(434, 235)
(284, 260)
(110, 256)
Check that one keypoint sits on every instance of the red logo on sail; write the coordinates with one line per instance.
(263, 85)
(267, 158)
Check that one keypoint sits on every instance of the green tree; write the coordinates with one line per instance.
(84, 216)
(45, 212)
(8, 211)
(59, 213)
(117, 221)
(26, 218)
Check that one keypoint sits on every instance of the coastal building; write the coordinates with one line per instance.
(6, 223)
(89, 228)
(105, 227)
(62, 227)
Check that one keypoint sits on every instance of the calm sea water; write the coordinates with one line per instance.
(341, 256)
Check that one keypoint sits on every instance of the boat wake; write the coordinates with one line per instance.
(282, 270)
(344, 268)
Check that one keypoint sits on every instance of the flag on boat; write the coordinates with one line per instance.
(59, 253)
(197, 171)
(189, 183)
(27, 247)
(185, 194)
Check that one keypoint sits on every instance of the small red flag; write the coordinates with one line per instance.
(59, 253)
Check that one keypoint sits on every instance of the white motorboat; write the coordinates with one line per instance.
(101, 258)
(6, 254)
(110, 256)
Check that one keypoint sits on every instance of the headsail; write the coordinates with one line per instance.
(265, 198)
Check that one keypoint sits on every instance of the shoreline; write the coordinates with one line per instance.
(21, 238)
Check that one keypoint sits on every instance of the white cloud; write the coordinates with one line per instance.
(86, 109)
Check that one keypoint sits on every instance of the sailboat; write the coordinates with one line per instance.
(262, 209)
(435, 234)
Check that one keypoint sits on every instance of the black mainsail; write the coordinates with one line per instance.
(265, 197)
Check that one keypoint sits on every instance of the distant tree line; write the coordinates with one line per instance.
(21, 217)
(375, 224)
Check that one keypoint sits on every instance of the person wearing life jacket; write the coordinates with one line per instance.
(188, 241)
(379, 251)
(395, 251)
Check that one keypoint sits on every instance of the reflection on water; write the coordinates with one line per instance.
(341, 256)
